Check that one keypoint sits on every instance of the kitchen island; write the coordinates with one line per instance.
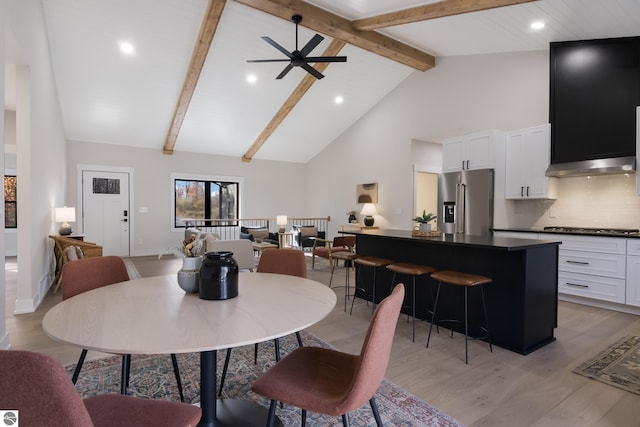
(522, 301)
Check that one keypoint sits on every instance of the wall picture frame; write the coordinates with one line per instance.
(367, 193)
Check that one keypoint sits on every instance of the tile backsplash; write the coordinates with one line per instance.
(607, 201)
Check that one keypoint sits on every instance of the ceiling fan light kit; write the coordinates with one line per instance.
(299, 58)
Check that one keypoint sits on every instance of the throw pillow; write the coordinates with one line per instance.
(70, 253)
(262, 233)
(308, 231)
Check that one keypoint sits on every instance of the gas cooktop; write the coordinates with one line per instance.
(588, 230)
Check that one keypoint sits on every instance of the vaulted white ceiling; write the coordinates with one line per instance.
(108, 97)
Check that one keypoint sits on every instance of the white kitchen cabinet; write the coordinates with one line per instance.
(527, 159)
(592, 267)
(469, 152)
(633, 272)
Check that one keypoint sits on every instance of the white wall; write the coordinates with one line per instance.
(4, 337)
(40, 145)
(460, 95)
(270, 188)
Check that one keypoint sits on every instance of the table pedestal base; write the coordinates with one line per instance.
(240, 413)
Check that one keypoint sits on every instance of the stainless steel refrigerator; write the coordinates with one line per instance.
(465, 202)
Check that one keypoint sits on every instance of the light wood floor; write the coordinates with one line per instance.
(496, 389)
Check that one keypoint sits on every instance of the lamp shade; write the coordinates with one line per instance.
(65, 214)
(369, 209)
(281, 220)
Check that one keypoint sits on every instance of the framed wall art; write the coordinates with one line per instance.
(367, 193)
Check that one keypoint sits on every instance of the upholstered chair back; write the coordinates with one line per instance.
(91, 273)
(283, 261)
(40, 389)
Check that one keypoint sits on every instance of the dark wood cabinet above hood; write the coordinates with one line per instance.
(594, 92)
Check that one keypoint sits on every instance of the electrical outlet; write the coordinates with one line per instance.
(143, 210)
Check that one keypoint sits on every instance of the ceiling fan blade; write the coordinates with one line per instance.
(277, 46)
(284, 72)
(326, 59)
(269, 60)
(311, 44)
(315, 73)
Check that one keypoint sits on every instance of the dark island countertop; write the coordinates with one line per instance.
(577, 233)
(500, 243)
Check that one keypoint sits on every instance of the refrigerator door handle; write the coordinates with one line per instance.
(461, 211)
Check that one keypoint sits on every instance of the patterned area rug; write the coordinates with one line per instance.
(618, 365)
(152, 377)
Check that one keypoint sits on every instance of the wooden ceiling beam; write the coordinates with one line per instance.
(430, 11)
(198, 57)
(342, 29)
(332, 50)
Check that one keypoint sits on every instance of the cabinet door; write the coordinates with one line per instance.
(515, 169)
(527, 159)
(537, 152)
(452, 155)
(478, 150)
(633, 281)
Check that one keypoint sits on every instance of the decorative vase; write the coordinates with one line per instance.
(189, 274)
(424, 226)
(352, 219)
(218, 276)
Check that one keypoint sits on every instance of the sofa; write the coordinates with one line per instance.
(258, 232)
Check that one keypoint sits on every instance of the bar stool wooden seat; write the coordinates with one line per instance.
(349, 257)
(375, 263)
(466, 280)
(413, 270)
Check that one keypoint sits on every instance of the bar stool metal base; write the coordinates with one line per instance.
(412, 270)
(346, 256)
(466, 280)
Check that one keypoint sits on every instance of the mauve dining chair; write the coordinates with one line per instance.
(39, 389)
(331, 382)
(87, 274)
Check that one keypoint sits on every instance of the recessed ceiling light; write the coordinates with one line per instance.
(338, 99)
(537, 25)
(251, 78)
(127, 48)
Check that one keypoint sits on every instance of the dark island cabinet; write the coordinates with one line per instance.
(522, 301)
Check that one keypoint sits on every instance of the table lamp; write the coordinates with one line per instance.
(65, 215)
(368, 210)
(281, 220)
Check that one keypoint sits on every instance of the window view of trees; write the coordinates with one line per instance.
(10, 202)
(192, 202)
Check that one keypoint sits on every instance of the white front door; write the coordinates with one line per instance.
(105, 210)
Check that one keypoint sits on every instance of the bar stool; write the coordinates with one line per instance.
(374, 263)
(466, 280)
(350, 257)
(412, 270)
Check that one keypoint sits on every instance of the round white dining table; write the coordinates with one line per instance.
(154, 316)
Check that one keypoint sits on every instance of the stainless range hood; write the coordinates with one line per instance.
(593, 167)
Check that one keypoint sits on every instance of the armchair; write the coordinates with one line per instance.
(325, 248)
(306, 236)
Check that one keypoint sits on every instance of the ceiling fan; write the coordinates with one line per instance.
(299, 58)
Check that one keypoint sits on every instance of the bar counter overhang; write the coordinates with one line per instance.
(522, 301)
